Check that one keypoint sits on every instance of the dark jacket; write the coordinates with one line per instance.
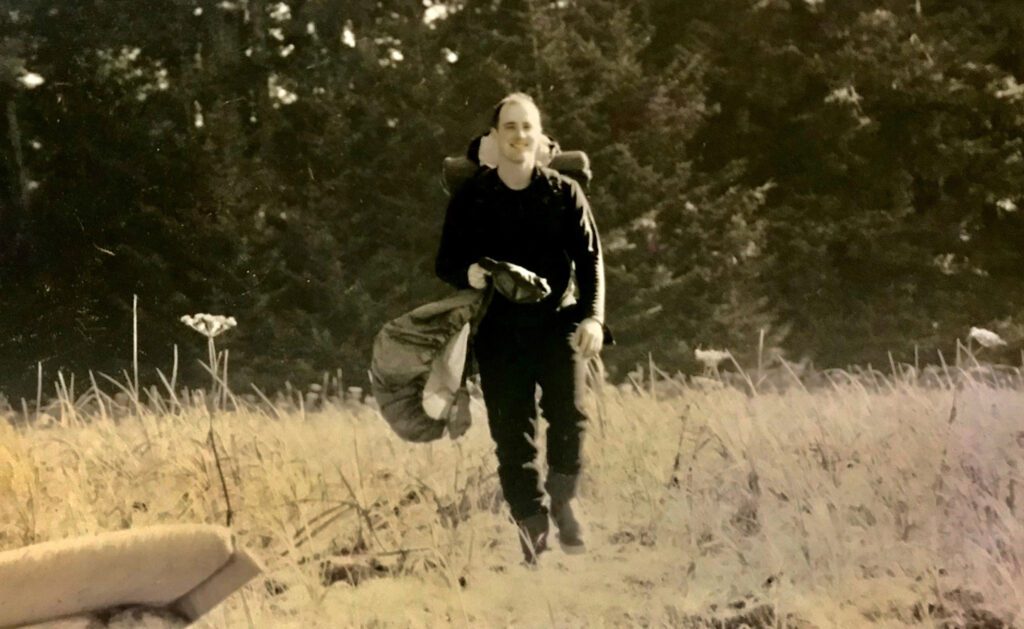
(548, 228)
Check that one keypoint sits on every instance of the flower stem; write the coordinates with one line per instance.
(213, 406)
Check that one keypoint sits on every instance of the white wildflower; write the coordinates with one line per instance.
(209, 325)
(710, 358)
(986, 338)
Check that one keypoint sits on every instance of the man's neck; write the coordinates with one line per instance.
(516, 175)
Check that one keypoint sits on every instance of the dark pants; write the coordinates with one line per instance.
(513, 360)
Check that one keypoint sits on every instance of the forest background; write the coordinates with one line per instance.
(845, 175)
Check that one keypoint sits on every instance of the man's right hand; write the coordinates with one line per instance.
(477, 276)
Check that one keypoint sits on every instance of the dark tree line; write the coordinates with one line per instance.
(844, 175)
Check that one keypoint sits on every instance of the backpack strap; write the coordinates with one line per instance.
(456, 171)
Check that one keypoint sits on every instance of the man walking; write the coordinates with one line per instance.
(528, 215)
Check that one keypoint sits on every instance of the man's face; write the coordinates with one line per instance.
(518, 132)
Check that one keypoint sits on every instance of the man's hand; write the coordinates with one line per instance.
(588, 338)
(477, 276)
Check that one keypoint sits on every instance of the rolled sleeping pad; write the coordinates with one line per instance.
(186, 569)
(575, 164)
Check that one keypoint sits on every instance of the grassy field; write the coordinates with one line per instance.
(862, 503)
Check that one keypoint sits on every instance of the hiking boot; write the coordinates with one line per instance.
(533, 536)
(562, 489)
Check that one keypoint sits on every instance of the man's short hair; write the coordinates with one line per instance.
(514, 97)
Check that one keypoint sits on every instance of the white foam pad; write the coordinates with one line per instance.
(188, 567)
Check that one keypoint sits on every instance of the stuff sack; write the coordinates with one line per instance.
(426, 345)
(421, 359)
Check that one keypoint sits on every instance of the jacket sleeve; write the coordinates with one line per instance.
(584, 248)
(456, 254)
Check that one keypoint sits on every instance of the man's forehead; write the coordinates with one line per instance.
(518, 110)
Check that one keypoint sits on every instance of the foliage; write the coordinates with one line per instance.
(844, 176)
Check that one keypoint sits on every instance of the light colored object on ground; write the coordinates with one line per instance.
(986, 338)
(186, 569)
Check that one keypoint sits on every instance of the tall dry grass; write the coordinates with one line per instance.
(873, 501)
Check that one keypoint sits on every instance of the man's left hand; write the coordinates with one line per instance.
(588, 338)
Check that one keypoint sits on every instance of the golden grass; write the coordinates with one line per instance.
(848, 506)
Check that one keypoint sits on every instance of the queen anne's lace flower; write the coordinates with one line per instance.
(209, 325)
